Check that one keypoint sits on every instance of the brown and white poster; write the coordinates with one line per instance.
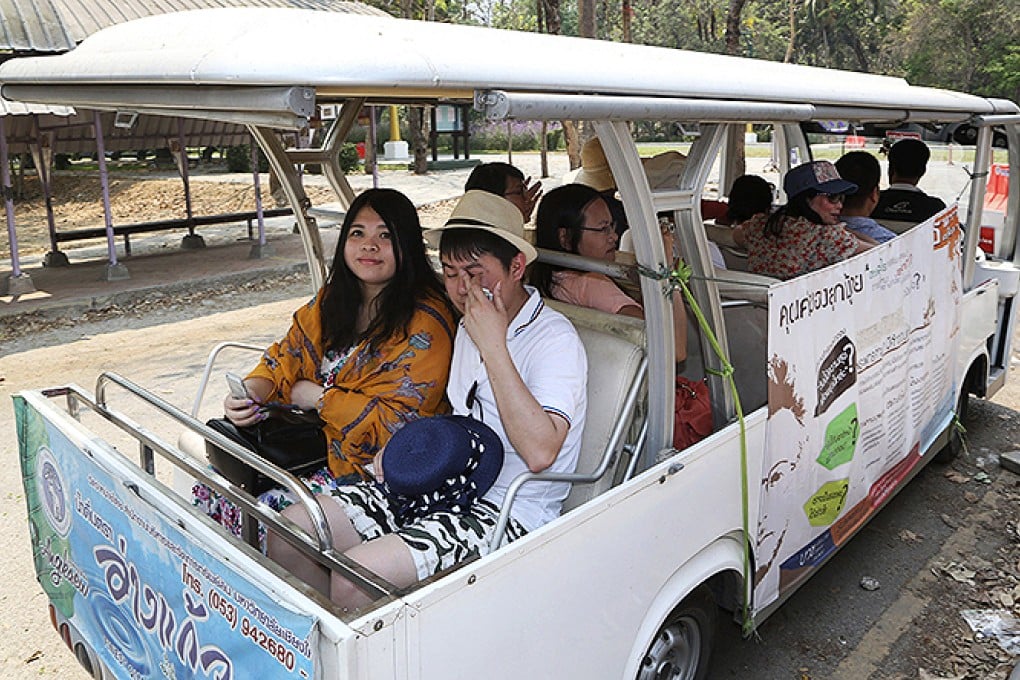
(861, 379)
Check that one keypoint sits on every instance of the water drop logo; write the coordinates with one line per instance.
(53, 492)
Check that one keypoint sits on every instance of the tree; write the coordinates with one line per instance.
(969, 45)
(733, 26)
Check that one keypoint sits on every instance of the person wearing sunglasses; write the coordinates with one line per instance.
(806, 234)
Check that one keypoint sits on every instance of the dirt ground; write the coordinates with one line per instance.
(135, 198)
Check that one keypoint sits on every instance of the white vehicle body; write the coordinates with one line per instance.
(592, 593)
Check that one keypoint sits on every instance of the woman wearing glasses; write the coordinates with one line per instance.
(806, 234)
(575, 218)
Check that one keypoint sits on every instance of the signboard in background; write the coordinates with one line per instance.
(117, 572)
(861, 372)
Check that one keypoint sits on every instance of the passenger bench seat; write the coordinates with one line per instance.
(615, 348)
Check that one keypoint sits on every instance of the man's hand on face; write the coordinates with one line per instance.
(485, 320)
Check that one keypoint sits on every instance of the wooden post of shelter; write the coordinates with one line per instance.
(115, 271)
(42, 154)
(260, 248)
(179, 149)
(18, 283)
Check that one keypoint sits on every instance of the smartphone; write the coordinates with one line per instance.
(237, 388)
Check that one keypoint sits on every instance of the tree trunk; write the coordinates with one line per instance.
(418, 122)
(733, 26)
(793, 32)
(628, 12)
(586, 18)
(553, 17)
(573, 139)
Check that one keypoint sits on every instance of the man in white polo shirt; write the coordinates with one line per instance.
(518, 365)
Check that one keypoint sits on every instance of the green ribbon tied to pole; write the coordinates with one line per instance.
(676, 279)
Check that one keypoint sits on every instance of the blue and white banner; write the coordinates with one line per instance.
(136, 588)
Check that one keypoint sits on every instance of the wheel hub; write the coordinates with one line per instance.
(675, 652)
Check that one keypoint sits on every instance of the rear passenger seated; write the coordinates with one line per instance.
(575, 218)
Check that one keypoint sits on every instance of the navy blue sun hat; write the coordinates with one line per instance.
(820, 176)
(443, 463)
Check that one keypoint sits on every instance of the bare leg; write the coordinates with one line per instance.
(294, 561)
(388, 557)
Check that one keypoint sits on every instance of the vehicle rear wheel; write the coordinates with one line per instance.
(681, 648)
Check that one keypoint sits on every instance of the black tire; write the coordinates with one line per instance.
(682, 646)
(954, 446)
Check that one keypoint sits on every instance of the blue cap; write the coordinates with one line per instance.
(820, 176)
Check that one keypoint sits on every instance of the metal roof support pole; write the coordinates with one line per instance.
(42, 154)
(976, 204)
(191, 241)
(793, 148)
(335, 137)
(291, 184)
(17, 283)
(260, 248)
(115, 271)
(1011, 244)
(370, 152)
(693, 245)
(637, 199)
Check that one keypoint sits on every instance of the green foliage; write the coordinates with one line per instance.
(239, 159)
(349, 160)
(1004, 72)
(493, 136)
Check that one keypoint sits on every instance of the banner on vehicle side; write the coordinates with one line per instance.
(860, 380)
(136, 590)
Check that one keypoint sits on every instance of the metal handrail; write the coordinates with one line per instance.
(320, 548)
(207, 371)
(623, 421)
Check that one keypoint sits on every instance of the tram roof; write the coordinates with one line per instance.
(332, 57)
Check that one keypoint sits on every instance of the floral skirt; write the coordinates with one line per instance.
(224, 512)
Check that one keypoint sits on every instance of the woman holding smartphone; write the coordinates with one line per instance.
(369, 352)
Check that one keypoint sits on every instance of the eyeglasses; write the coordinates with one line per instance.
(834, 198)
(605, 230)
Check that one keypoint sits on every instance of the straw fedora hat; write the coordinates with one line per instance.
(479, 209)
(662, 170)
(594, 171)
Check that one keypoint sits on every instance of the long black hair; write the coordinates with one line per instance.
(561, 208)
(796, 207)
(414, 278)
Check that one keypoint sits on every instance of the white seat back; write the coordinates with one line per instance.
(615, 348)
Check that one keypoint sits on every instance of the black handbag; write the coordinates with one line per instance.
(289, 438)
